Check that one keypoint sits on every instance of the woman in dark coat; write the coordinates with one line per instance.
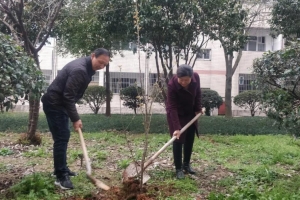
(183, 104)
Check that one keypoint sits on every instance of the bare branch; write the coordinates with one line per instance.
(12, 30)
(203, 42)
(50, 25)
(42, 28)
(27, 44)
(6, 10)
(237, 61)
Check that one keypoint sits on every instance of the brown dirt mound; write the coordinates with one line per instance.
(131, 190)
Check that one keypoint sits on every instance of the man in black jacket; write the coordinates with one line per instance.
(59, 105)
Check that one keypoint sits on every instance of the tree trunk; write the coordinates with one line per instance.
(228, 86)
(159, 80)
(34, 107)
(207, 111)
(96, 110)
(252, 110)
(229, 73)
(107, 77)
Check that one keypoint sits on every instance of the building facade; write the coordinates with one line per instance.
(126, 69)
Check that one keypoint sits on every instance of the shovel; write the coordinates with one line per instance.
(96, 182)
(133, 169)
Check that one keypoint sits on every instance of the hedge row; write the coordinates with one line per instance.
(17, 122)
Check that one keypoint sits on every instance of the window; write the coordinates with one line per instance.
(47, 75)
(203, 54)
(246, 82)
(120, 80)
(95, 78)
(255, 44)
(152, 79)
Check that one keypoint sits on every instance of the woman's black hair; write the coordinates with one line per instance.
(101, 51)
(184, 70)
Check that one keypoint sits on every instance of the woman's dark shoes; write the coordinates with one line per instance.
(188, 169)
(179, 174)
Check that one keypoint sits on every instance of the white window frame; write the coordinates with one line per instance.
(245, 82)
(95, 77)
(201, 55)
(47, 75)
(259, 40)
(120, 80)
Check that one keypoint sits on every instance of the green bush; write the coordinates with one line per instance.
(249, 100)
(95, 96)
(6, 151)
(132, 97)
(17, 122)
(210, 99)
(34, 187)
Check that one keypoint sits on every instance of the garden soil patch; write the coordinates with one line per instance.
(10, 177)
(15, 166)
(131, 190)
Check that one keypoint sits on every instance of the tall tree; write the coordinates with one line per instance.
(30, 23)
(278, 73)
(229, 22)
(175, 32)
(88, 25)
(278, 76)
(172, 28)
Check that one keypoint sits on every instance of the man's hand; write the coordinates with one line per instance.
(77, 125)
(177, 133)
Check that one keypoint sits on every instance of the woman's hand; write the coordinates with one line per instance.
(177, 134)
(201, 111)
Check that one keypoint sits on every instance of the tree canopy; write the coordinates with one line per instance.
(278, 76)
(18, 73)
(286, 18)
(87, 25)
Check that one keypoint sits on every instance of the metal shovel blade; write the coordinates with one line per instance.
(132, 171)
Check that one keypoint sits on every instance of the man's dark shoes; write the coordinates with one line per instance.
(188, 169)
(64, 182)
(179, 174)
(70, 173)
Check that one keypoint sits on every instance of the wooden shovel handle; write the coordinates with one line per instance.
(85, 155)
(171, 141)
(97, 182)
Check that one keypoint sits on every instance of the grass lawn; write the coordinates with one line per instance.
(228, 167)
